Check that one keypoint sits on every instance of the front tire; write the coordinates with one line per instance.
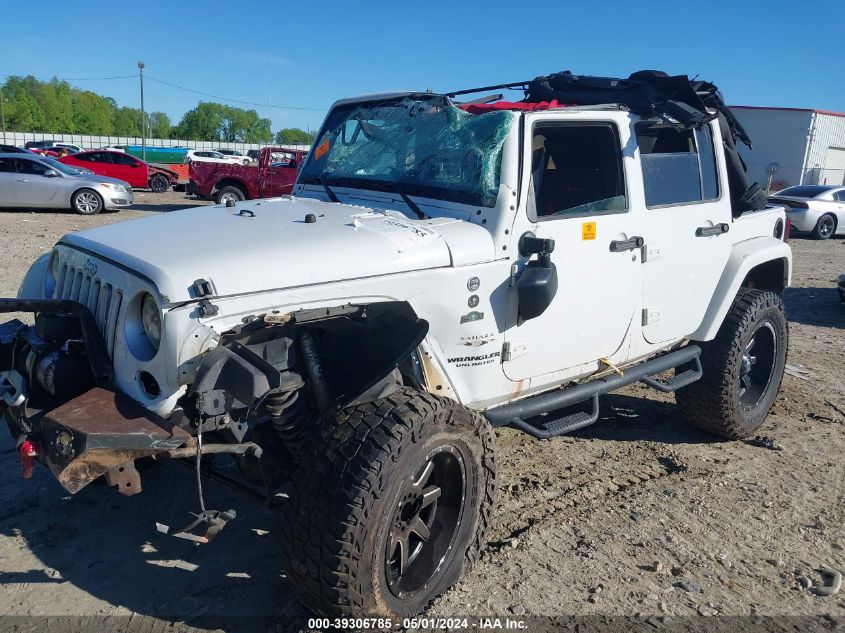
(743, 368)
(159, 183)
(394, 507)
(86, 202)
(825, 227)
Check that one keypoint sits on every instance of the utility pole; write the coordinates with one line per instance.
(143, 115)
(3, 115)
(269, 111)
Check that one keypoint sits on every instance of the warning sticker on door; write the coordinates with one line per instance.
(588, 231)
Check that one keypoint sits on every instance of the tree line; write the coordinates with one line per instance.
(56, 107)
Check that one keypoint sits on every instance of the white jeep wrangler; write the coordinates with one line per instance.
(441, 269)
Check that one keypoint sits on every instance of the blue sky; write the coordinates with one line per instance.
(308, 54)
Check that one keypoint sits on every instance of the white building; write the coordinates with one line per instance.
(807, 145)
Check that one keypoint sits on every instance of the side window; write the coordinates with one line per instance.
(99, 157)
(577, 170)
(707, 160)
(840, 195)
(282, 159)
(122, 159)
(678, 166)
(32, 167)
(7, 165)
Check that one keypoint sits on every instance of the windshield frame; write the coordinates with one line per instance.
(402, 187)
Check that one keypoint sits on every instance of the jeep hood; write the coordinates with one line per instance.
(262, 245)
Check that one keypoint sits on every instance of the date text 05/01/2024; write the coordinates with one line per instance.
(420, 624)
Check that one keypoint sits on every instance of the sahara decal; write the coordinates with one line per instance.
(475, 361)
(477, 340)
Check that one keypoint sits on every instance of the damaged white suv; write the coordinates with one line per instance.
(441, 269)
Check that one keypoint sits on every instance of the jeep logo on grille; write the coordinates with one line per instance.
(90, 268)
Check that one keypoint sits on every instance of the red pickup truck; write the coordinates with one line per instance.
(273, 176)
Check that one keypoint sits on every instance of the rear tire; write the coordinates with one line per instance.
(229, 193)
(378, 473)
(159, 183)
(86, 202)
(825, 227)
(743, 368)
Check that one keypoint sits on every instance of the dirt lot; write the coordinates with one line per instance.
(637, 514)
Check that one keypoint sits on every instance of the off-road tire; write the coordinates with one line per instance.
(230, 190)
(87, 202)
(159, 183)
(343, 503)
(825, 227)
(713, 403)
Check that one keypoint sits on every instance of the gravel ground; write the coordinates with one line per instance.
(636, 515)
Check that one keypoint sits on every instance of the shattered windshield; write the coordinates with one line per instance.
(419, 145)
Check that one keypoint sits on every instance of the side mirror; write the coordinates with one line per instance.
(537, 285)
(50, 173)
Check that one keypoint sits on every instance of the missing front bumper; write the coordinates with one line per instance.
(99, 433)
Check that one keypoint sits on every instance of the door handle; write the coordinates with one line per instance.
(21, 180)
(618, 246)
(707, 231)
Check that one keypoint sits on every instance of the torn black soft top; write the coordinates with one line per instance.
(675, 99)
(648, 93)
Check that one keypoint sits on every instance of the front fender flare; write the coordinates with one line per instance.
(744, 257)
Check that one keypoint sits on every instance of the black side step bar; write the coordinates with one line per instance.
(682, 379)
(515, 413)
(554, 426)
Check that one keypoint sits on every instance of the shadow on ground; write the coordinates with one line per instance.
(814, 306)
(107, 546)
(189, 203)
(629, 418)
(143, 205)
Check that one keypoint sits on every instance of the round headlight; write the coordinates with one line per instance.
(151, 319)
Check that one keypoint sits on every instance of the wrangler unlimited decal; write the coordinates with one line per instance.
(474, 361)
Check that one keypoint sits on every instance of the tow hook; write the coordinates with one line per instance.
(28, 450)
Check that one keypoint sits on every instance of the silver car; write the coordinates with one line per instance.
(42, 182)
(815, 209)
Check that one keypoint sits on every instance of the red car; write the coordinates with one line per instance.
(124, 167)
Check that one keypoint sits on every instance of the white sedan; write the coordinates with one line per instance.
(208, 156)
(235, 154)
(816, 209)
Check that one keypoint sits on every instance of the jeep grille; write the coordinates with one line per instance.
(101, 298)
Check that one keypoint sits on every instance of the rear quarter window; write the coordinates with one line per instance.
(679, 166)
